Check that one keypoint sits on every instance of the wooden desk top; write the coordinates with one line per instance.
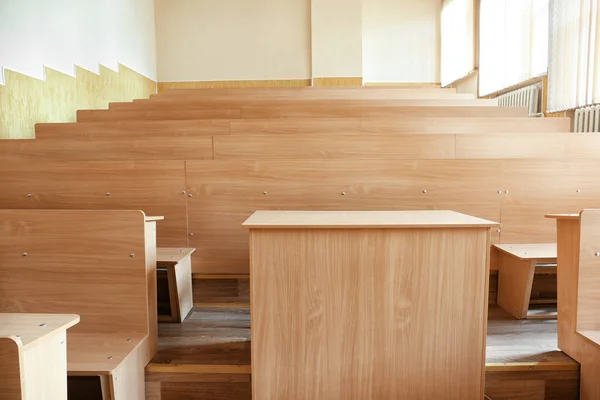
(562, 216)
(172, 255)
(157, 218)
(543, 251)
(364, 219)
(30, 328)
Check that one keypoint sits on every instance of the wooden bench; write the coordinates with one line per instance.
(33, 356)
(100, 265)
(517, 264)
(174, 272)
(578, 237)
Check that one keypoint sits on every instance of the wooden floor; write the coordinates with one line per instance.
(208, 357)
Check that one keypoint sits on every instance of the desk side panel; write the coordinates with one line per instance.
(45, 368)
(11, 384)
(368, 313)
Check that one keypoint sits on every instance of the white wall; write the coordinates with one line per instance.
(63, 33)
(336, 38)
(207, 40)
(401, 40)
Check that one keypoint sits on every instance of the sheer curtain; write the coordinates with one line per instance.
(573, 77)
(513, 42)
(458, 40)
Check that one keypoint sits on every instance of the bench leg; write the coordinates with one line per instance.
(184, 292)
(590, 373)
(515, 279)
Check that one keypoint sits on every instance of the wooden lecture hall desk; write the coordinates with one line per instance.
(368, 304)
(33, 356)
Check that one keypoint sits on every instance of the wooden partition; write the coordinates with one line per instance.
(156, 187)
(33, 356)
(227, 192)
(98, 264)
(311, 93)
(375, 126)
(295, 110)
(212, 104)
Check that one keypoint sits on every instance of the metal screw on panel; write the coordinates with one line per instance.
(506, 191)
(265, 192)
(18, 336)
(500, 191)
(132, 255)
(597, 254)
(578, 190)
(110, 357)
(183, 192)
(499, 229)
(129, 339)
(190, 195)
(108, 193)
(424, 190)
(191, 233)
(29, 195)
(24, 254)
(343, 193)
(43, 325)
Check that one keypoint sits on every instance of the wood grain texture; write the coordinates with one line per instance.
(166, 86)
(32, 328)
(109, 148)
(88, 262)
(539, 187)
(128, 380)
(210, 104)
(542, 252)
(588, 296)
(178, 261)
(156, 115)
(539, 145)
(515, 280)
(225, 193)
(358, 81)
(373, 126)
(344, 289)
(568, 238)
(590, 371)
(155, 187)
(45, 368)
(315, 146)
(11, 378)
(151, 291)
(27, 101)
(132, 129)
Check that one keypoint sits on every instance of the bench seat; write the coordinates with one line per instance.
(177, 263)
(517, 265)
(100, 354)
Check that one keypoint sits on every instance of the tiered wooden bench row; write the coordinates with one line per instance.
(579, 294)
(33, 356)
(100, 265)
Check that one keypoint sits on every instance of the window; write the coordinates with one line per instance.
(513, 37)
(458, 45)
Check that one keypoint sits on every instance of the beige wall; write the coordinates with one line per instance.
(401, 40)
(336, 38)
(208, 40)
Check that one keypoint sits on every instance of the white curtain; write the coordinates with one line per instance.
(458, 45)
(513, 42)
(573, 76)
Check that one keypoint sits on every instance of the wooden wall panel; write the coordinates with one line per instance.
(152, 147)
(128, 115)
(315, 146)
(375, 126)
(539, 145)
(154, 187)
(539, 187)
(225, 193)
(286, 111)
(76, 262)
(27, 101)
(166, 86)
(137, 129)
(358, 81)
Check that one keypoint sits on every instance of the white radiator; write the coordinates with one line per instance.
(587, 119)
(529, 96)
